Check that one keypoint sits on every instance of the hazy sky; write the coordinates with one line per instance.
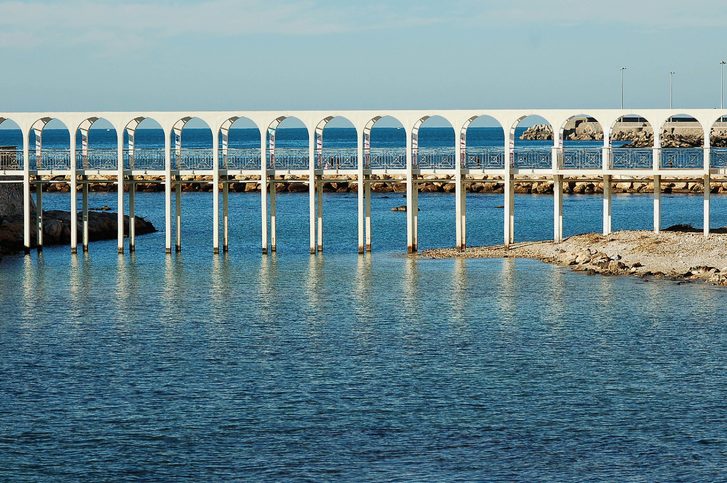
(318, 54)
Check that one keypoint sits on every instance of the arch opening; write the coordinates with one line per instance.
(483, 142)
(582, 137)
(718, 143)
(336, 144)
(288, 144)
(50, 145)
(682, 140)
(433, 143)
(532, 143)
(632, 142)
(384, 144)
(192, 145)
(239, 144)
(96, 145)
(11, 145)
(144, 145)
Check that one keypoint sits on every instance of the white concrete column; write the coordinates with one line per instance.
(26, 191)
(264, 191)
(225, 214)
(320, 215)
(458, 193)
(558, 208)
(312, 189)
(410, 203)
(84, 213)
(367, 200)
(215, 192)
(273, 218)
(509, 195)
(361, 191)
(607, 204)
(168, 191)
(39, 213)
(120, 192)
(73, 193)
(707, 193)
(178, 214)
(657, 203)
(132, 215)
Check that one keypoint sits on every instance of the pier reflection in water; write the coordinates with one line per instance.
(354, 366)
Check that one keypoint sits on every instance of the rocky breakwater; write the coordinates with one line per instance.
(679, 253)
(56, 224)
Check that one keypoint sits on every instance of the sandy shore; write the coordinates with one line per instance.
(676, 255)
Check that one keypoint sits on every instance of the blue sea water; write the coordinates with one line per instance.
(347, 367)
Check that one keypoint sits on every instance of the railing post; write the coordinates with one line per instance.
(168, 191)
(509, 193)
(215, 193)
(120, 193)
(361, 191)
(459, 191)
(410, 202)
(264, 191)
(312, 189)
(74, 188)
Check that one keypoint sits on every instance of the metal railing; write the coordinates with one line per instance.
(385, 159)
(293, 159)
(581, 158)
(145, 158)
(682, 158)
(533, 158)
(718, 157)
(434, 160)
(98, 158)
(241, 158)
(52, 158)
(632, 158)
(193, 158)
(11, 159)
(485, 158)
(337, 160)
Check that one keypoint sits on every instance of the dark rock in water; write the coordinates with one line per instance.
(101, 208)
(501, 207)
(57, 229)
(399, 208)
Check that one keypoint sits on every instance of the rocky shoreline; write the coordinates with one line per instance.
(679, 253)
(428, 184)
(57, 229)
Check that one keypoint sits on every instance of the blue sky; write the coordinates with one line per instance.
(320, 54)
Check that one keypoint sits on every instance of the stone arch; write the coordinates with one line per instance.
(531, 144)
(144, 144)
(484, 148)
(49, 145)
(239, 144)
(344, 156)
(384, 139)
(433, 147)
(582, 138)
(285, 144)
(11, 145)
(192, 141)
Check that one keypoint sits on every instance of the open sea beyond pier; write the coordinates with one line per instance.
(340, 366)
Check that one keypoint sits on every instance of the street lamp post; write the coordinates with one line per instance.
(622, 86)
(721, 85)
(671, 82)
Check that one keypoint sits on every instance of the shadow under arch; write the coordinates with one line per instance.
(341, 150)
(482, 140)
(384, 139)
(49, 145)
(11, 145)
(631, 143)
(288, 144)
(531, 142)
(239, 144)
(582, 136)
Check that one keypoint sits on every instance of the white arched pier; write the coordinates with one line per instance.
(34, 165)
